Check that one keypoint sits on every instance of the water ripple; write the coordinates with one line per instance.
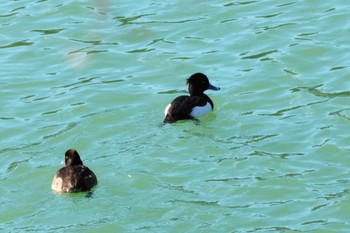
(316, 92)
(260, 55)
(49, 31)
(130, 20)
(17, 44)
(237, 3)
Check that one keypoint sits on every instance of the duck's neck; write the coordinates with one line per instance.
(193, 93)
(205, 97)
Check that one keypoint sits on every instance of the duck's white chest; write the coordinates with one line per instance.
(200, 111)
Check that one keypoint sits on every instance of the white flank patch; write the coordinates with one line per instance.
(201, 110)
(166, 109)
(57, 184)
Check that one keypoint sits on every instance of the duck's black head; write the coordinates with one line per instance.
(72, 158)
(198, 83)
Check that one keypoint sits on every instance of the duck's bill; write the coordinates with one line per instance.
(214, 88)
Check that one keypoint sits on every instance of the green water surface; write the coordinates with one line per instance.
(96, 76)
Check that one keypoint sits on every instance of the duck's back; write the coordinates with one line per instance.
(74, 179)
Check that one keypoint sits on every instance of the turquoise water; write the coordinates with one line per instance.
(97, 75)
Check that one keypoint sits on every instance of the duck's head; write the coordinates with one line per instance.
(198, 83)
(72, 158)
